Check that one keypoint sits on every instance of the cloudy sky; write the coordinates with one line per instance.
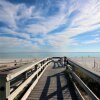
(50, 25)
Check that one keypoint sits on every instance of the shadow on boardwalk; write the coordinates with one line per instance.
(62, 92)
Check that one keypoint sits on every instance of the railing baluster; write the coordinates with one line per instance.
(26, 73)
(71, 69)
(4, 87)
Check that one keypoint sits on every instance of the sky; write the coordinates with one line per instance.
(49, 25)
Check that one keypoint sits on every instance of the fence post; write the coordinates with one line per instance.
(4, 86)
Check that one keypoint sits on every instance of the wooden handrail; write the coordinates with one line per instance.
(71, 66)
(90, 73)
(7, 77)
(25, 83)
(22, 69)
(35, 70)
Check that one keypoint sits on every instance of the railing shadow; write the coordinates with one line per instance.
(57, 64)
(71, 88)
(45, 90)
(59, 90)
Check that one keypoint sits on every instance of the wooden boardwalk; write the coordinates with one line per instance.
(53, 85)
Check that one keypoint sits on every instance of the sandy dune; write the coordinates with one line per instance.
(92, 62)
(8, 63)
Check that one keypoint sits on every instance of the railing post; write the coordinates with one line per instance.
(65, 62)
(36, 68)
(4, 87)
(26, 75)
(41, 63)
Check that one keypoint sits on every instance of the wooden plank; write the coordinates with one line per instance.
(22, 69)
(33, 85)
(78, 92)
(52, 85)
(83, 85)
(4, 88)
(25, 83)
(92, 74)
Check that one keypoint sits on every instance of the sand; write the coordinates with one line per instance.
(91, 62)
(8, 63)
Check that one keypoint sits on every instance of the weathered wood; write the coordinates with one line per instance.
(90, 73)
(23, 85)
(22, 69)
(33, 85)
(52, 85)
(78, 92)
(82, 84)
(4, 87)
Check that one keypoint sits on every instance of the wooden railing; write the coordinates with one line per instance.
(19, 82)
(71, 67)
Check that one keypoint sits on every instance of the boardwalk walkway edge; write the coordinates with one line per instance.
(28, 76)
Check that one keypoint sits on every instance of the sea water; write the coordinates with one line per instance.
(47, 54)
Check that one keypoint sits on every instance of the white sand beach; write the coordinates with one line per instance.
(91, 62)
(8, 63)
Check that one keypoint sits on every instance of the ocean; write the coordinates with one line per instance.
(47, 54)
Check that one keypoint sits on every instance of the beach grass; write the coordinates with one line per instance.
(91, 83)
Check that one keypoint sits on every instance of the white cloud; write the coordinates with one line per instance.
(89, 14)
(14, 33)
(86, 18)
(7, 13)
(9, 44)
(50, 23)
(96, 40)
(95, 35)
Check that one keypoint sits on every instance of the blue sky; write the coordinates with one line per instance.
(50, 25)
